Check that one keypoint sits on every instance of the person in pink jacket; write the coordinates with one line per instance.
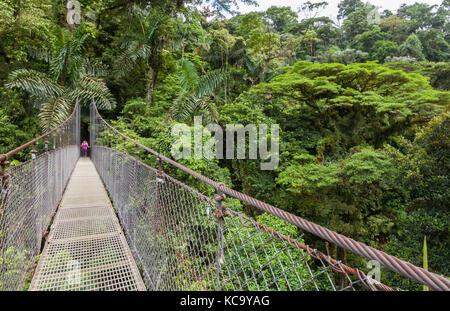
(84, 148)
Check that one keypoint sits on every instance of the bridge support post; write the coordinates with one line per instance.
(111, 162)
(116, 178)
(132, 212)
(35, 197)
(220, 258)
(3, 180)
(46, 192)
(4, 185)
(3, 196)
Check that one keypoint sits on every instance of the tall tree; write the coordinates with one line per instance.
(435, 47)
(71, 76)
(346, 7)
(419, 16)
(412, 47)
(356, 23)
(146, 36)
(197, 93)
(311, 10)
(24, 26)
(282, 19)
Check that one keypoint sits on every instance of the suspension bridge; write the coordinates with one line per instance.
(112, 222)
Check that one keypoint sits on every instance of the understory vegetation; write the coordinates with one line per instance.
(362, 101)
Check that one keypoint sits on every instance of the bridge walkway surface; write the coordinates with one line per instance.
(86, 248)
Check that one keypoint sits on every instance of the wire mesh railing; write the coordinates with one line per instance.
(183, 240)
(30, 195)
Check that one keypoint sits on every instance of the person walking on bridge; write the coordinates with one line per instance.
(84, 147)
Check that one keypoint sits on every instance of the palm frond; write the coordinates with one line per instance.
(40, 54)
(152, 26)
(129, 39)
(90, 88)
(76, 45)
(59, 61)
(94, 68)
(209, 110)
(75, 68)
(53, 112)
(188, 74)
(61, 34)
(34, 82)
(126, 61)
(67, 58)
(136, 11)
(183, 107)
(138, 42)
(209, 82)
(186, 107)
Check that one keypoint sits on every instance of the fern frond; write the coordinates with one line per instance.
(33, 82)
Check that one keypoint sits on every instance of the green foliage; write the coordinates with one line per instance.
(347, 56)
(197, 91)
(34, 82)
(309, 178)
(362, 107)
(139, 42)
(356, 23)
(412, 47)
(13, 261)
(435, 47)
(438, 73)
(368, 167)
(366, 40)
(424, 166)
(282, 19)
(55, 93)
(425, 259)
(346, 7)
(24, 25)
(333, 118)
(291, 264)
(17, 124)
(396, 27)
(383, 49)
(10, 134)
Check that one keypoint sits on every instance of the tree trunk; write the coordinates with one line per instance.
(152, 76)
(149, 77)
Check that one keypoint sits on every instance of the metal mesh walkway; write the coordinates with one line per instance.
(86, 248)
